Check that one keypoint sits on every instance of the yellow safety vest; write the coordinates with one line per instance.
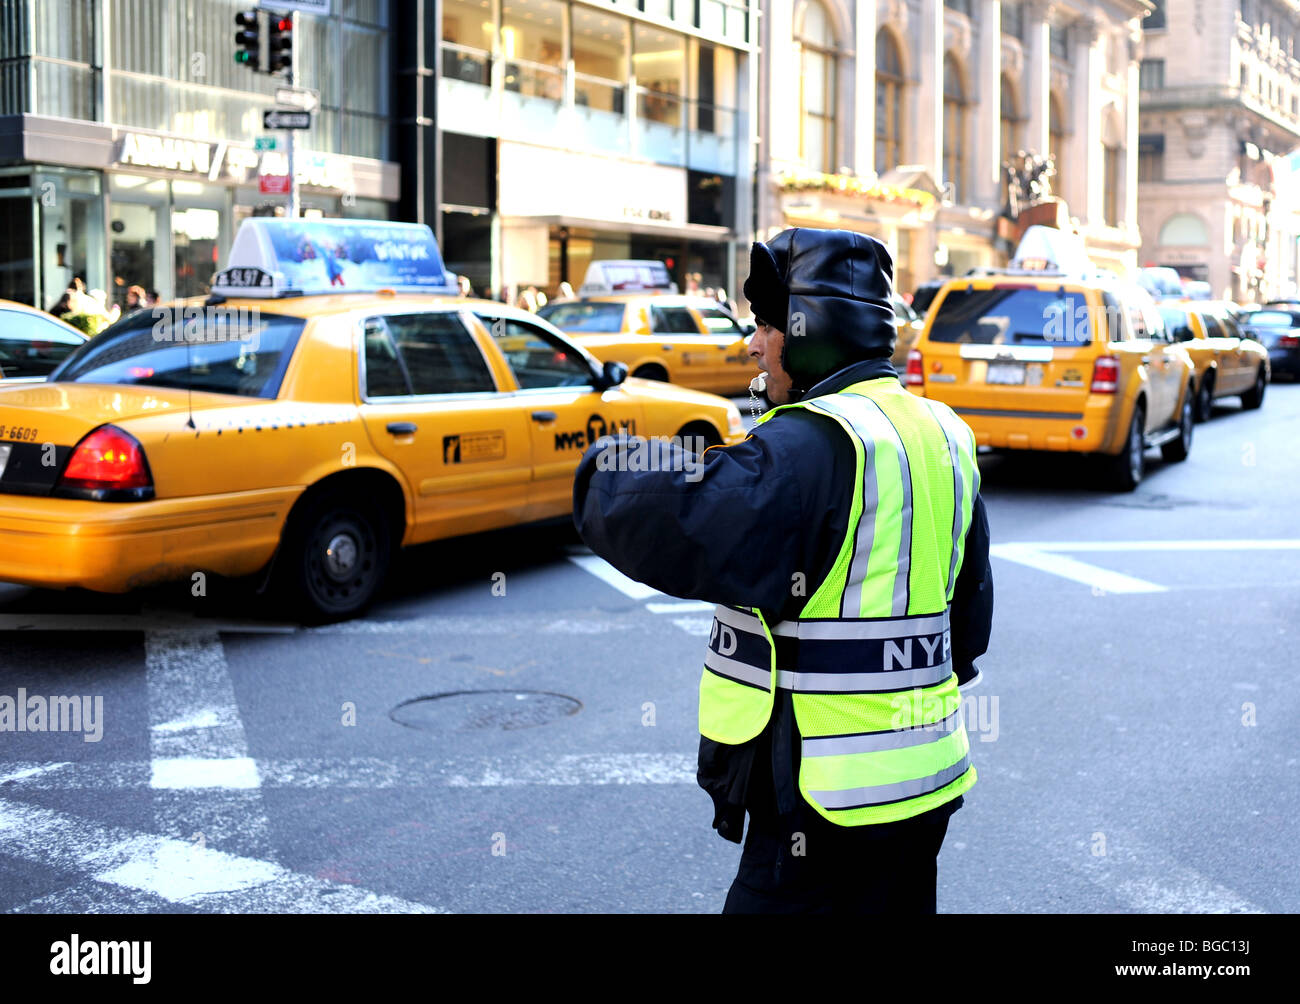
(868, 659)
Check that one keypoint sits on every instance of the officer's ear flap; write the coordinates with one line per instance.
(763, 270)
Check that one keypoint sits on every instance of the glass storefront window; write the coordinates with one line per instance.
(17, 248)
(138, 213)
(660, 65)
(600, 60)
(467, 41)
(70, 232)
(532, 43)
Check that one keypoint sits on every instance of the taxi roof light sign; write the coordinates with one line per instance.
(274, 258)
(627, 277)
(1047, 249)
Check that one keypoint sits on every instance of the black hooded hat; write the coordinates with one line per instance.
(829, 292)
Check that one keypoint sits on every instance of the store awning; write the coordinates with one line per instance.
(682, 231)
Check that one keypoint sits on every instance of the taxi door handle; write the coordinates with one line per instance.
(401, 428)
(544, 416)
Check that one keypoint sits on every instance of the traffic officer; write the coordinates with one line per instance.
(846, 547)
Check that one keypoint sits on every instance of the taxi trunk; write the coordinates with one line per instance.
(1017, 360)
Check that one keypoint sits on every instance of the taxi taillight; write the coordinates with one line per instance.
(108, 465)
(915, 375)
(1105, 375)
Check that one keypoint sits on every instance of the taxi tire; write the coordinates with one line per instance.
(1176, 450)
(1254, 397)
(1205, 398)
(652, 372)
(1125, 470)
(316, 594)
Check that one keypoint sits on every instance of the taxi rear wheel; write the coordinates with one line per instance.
(1254, 397)
(1177, 450)
(1125, 470)
(337, 557)
(652, 372)
(1205, 398)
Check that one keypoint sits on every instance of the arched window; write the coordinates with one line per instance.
(889, 103)
(1184, 230)
(816, 41)
(1056, 142)
(1010, 129)
(954, 128)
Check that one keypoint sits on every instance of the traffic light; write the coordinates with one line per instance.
(248, 39)
(281, 57)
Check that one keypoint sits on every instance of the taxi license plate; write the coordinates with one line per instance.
(1006, 373)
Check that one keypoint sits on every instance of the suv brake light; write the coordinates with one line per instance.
(108, 465)
(1105, 375)
(915, 375)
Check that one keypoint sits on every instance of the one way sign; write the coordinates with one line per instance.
(278, 118)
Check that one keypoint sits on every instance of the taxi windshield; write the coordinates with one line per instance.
(1017, 315)
(598, 318)
(224, 350)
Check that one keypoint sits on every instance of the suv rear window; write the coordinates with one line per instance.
(1019, 315)
(593, 318)
(1271, 319)
(225, 350)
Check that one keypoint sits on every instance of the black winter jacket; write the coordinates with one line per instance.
(742, 531)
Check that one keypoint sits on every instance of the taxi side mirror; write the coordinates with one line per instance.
(611, 376)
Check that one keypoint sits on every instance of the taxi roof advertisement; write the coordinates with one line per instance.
(335, 256)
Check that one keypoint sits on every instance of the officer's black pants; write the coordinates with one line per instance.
(890, 870)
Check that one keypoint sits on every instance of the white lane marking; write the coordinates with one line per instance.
(94, 897)
(610, 575)
(1077, 571)
(204, 772)
(134, 622)
(192, 709)
(1144, 877)
(684, 607)
(376, 773)
(177, 871)
(27, 773)
(1165, 545)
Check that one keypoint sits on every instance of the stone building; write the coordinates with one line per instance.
(1220, 113)
(894, 118)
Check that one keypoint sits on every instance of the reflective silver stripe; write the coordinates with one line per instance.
(954, 453)
(855, 630)
(865, 531)
(862, 683)
(748, 623)
(852, 798)
(904, 565)
(741, 671)
(875, 742)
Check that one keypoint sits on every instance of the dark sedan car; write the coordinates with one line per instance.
(1278, 330)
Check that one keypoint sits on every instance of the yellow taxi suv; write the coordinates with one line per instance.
(629, 312)
(332, 401)
(1050, 354)
(1228, 362)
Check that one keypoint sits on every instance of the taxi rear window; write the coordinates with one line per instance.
(593, 318)
(1019, 315)
(238, 351)
(1271, 319)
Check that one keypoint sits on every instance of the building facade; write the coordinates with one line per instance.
(1220, 99)
(895, 117)
(127, 138)
(573, 131)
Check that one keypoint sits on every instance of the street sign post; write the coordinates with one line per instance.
(303, 98)
(278, 118)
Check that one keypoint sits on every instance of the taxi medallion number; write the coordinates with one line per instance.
(18, 433)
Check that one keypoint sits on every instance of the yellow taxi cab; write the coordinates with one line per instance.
(32, 342)
(331, 401)
(629, 312)
(1050, 354)
(1228, 362)
(909, 325)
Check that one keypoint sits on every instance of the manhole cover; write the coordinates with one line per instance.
(468, 710)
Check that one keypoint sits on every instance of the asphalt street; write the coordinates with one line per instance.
(1132, 733)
